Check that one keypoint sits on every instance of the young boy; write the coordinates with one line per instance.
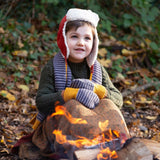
(78, 43)
(72, 76)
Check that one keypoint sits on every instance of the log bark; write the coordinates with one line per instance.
(127, 92)
(136, 149)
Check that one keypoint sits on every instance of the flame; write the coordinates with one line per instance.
(103, 125)
(61, 110)
(80, 142)
(107, 154)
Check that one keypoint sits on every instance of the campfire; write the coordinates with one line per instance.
(107, 142)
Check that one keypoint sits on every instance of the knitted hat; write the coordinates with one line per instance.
(78, 14)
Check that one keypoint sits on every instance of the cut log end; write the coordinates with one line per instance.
(136, 149)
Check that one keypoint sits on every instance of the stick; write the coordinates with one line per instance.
(140, 88)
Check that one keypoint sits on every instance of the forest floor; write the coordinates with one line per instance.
(141, 94)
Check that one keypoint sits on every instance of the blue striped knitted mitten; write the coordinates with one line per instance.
(87, 98)
(88, 84)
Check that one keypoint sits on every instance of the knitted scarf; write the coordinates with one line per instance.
(63, 79)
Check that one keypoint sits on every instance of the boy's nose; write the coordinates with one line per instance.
(80, 42)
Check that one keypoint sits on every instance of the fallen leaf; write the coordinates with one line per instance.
(142, 98)
(120, 76)
(134, 115)
(20, 44)
(128, 102)
(105, 62)
(144, 102)
(126, 52)
(151, 117)
(7, 95)
(20, 53)
(24, 88)
(36, 84)
(2, 30)
(5, 150)
(102, 52)
(127, 81)
(144, 72)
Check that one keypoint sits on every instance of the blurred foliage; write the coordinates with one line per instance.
(28, 29)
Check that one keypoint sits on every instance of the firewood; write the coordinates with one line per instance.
(134, 149)
(153, 146)
(87, 154)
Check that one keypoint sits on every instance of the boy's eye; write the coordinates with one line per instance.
(87, 38)
(73, 36)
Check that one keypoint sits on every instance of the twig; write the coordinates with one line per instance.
(10, 8)
(127, 3)
(127, 92)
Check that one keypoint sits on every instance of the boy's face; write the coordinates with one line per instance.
(80, 43)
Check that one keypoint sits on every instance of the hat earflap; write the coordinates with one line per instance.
(93, 55)
(61, 38)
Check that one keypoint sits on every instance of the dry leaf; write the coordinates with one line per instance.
(144, 72)
(126, 52)
(120, 76)
(24, 88)
(105, 62)
(128, 102)
(142, 98)
(2, 30)
(144, 102)
(151, 117)
(7, 95)
(20, 53)
(102, 52)
(36, 84)
(127, 81)
(20, 44)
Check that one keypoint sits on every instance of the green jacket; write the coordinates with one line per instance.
(47, 96)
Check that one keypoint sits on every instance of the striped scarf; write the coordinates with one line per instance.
(63, 79)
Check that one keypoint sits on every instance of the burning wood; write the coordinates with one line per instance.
(108, 141)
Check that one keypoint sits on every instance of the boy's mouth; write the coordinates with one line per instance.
(79, 49)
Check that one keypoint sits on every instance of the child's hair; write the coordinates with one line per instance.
(78, 23)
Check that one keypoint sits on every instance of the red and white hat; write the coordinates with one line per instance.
(78, 14)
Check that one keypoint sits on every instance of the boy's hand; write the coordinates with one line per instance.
(88, 84)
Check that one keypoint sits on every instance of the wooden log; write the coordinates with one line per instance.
(136, 149)
(87, 154)
(153, 146)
